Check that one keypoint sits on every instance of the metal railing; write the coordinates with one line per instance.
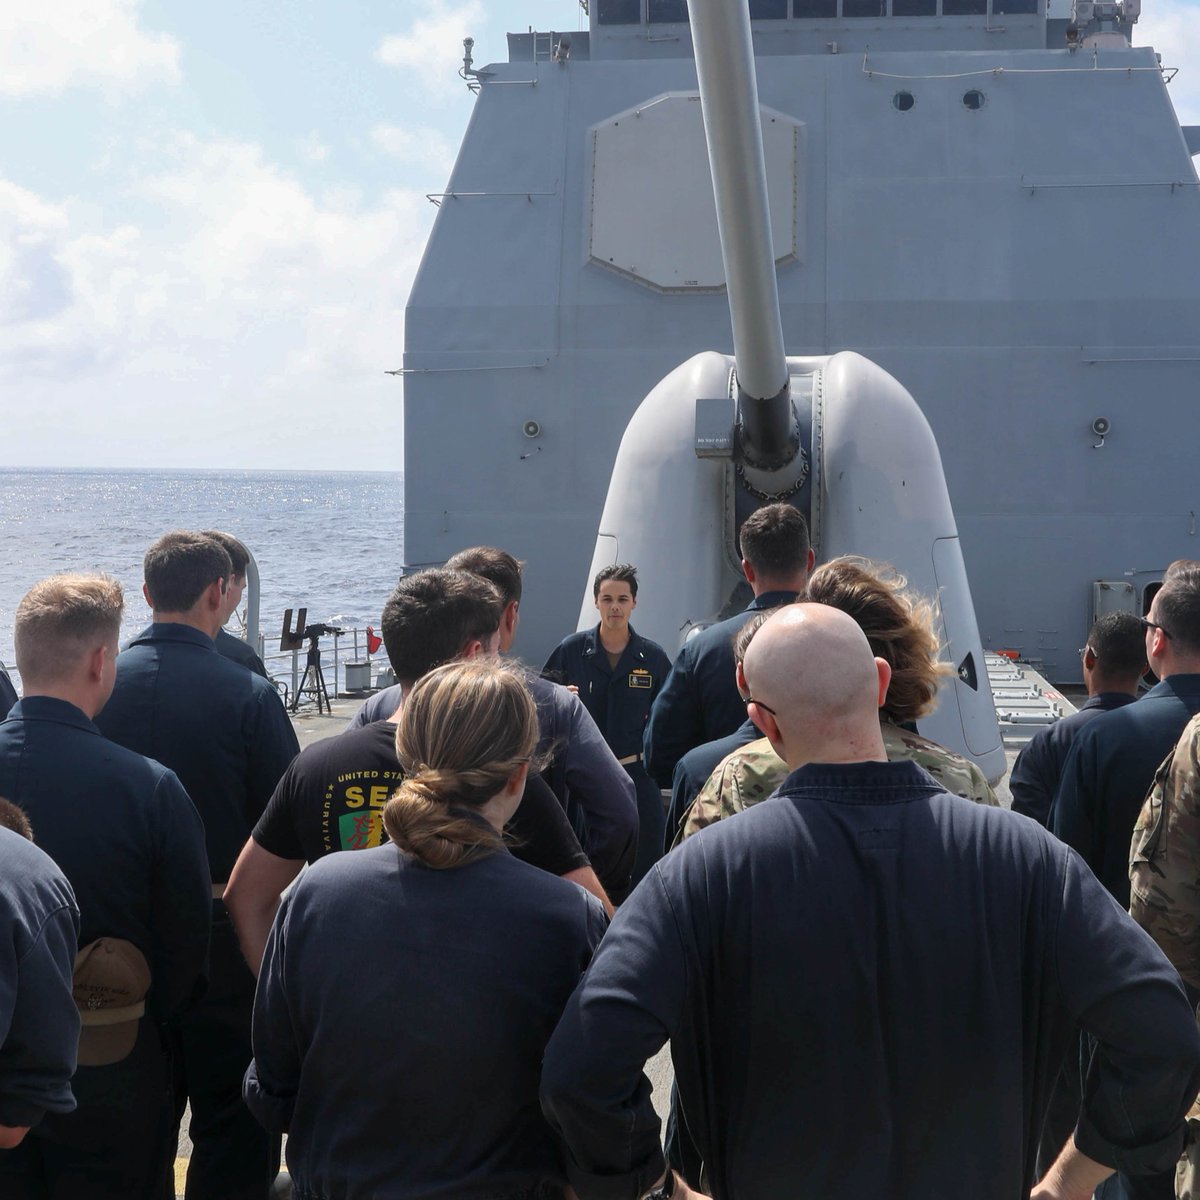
(349, 668)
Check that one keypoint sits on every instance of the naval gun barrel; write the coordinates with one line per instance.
(732, 127)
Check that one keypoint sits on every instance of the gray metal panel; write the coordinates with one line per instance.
(1110, 596)
(1021, 269)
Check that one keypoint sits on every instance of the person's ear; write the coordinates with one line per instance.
(885, 678)
(1159, 644)
(742, 686)
(748, 571)
(146, 594)
(517, 780)
(96, 663)
(812, 559)
(472, 649)
(766, 723)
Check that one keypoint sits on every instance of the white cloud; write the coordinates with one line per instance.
(432, 49)
(313, 149)
(418, 146)
(1172, 27)
(239, 305)
(49, 47)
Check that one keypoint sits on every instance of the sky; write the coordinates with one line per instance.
(211, 215)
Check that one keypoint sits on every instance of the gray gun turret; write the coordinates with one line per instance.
(834, 435)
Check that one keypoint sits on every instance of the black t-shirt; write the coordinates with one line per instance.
(332, 797)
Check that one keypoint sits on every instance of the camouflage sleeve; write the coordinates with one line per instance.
(980, 790)
(958, 775)
(1164, 858)
(718, 798)
(744, 778)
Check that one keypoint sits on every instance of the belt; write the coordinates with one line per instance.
(218, 891)
(629, 758)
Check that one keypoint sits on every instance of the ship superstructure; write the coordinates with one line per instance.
(997, 208)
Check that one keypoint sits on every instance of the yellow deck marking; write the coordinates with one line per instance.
(181, 1166)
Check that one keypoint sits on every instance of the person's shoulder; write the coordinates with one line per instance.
(22, 854)
(30, 880)
(346, 868)
(235, 649)
(362, 746)
(1035, 757)
(197, 656)
(1009, 847)
(721, 633)
(1190, 737)
(655, 653)
(1040, 739)
(730, 835)
(543, 690)
(757, 762)
(575, 641)
(144, 773)
(1108, 725)
(1057, 739)
(547, 693)
(536, 891)
(953, 772)
(93, 755)
(1069, 726)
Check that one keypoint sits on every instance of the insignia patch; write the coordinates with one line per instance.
(641, 678)
(361, 831)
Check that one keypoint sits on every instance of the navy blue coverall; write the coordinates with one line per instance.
(619, 699)
(225, 733)
(127, 837)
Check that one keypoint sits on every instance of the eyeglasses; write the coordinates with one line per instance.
(749, 700)
(1145, 624)
(1083, 650)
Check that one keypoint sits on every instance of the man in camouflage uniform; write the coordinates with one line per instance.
(1164, 892)
(754, 772)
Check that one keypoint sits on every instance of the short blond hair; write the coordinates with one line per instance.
(61, 619)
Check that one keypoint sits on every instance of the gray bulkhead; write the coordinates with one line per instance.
(1022, 267)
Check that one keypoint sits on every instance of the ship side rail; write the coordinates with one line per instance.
(350, 668)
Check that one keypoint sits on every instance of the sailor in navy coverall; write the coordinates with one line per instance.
(618, 674)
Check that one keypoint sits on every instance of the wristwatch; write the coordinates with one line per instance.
(664, 1190)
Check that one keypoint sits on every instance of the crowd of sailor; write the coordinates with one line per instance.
(437, 950)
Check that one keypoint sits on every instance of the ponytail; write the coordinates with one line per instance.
(465, 730)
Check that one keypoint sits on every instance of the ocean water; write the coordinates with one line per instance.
(328, 541)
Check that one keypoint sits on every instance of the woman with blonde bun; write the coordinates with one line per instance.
(407, 992)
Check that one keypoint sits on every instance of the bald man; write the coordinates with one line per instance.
(869, 984)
